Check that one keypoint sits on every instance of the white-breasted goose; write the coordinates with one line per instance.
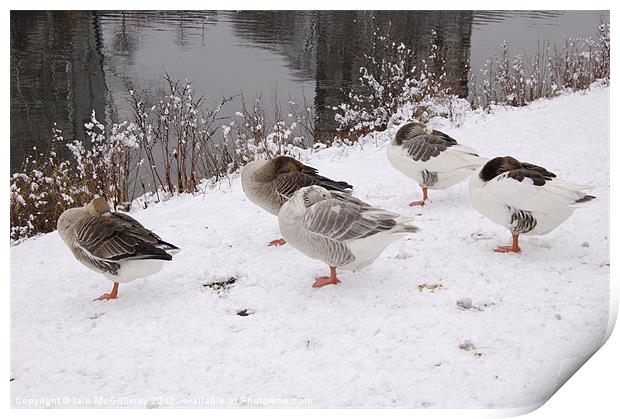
(347, 234)
(524, 198)
(431, 158)
(112, 243)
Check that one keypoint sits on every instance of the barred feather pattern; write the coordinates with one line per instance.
(269, 184)
(522, 221)
(424, 147)
(429, 178)
(325, 229)
(101, 241)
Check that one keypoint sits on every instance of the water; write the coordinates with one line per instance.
(65, 64)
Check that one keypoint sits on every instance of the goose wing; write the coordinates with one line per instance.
(348, 197)
(439, 152)
(327, 183)
(286, 184)
(425, 147)
(343, 221)
(532, 190)
(541, 170)
(115, 237)
(445, 137)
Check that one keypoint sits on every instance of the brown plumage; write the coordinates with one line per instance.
(270, 183)
(112, 243)
(516, 170)
(420, 143)
(117, 236)
(524, 198)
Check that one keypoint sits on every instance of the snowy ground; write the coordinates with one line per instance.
(375, 340)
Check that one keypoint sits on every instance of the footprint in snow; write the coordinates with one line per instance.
(245, 312)
(223, 285)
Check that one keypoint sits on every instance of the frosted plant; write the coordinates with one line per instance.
(519, 80)
(390, 82)
(175, 144)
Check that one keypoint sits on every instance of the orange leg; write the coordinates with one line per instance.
(510, 249)
(111, 296)
(424, 198)
(277, 242)
(326, 280)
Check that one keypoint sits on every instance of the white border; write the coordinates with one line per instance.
(592, 392)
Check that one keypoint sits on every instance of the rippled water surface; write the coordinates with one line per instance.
(65, 64)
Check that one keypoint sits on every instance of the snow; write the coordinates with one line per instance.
(439, 320)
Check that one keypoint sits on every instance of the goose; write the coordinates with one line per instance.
(112, 243)
(347, 234)
(270, 183)
(431, 158)
(524, 198)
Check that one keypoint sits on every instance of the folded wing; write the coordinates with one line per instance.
(288, 183)
(345, 220)
(440, 152)
(532, 190)
(115, 237)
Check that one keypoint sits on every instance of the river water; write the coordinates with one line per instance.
(66, 64)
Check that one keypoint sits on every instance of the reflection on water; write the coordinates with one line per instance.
(64, 64)
(342, 41)
(56, 76)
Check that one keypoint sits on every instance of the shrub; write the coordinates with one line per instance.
(388, 83)
(169, 148)
(174, 136)
(47, 184)
(250, 135)
(519, 80)
(174, 142)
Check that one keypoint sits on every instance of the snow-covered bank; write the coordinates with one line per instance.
(380, 338)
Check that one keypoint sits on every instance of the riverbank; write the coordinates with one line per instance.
(391, 335)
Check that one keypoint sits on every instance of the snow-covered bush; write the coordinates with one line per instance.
(47, 184)
(250, 135)
(103, 164)
(182, 143)
(388, 81)
(519, 80)
(40, 192)
(176, 134)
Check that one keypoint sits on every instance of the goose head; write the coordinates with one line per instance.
(69, 217)
(497, 166)
(411, 130)
(310, 195)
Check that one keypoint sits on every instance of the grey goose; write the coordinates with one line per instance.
(347, 234)
(112, 243)
(270, 183)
